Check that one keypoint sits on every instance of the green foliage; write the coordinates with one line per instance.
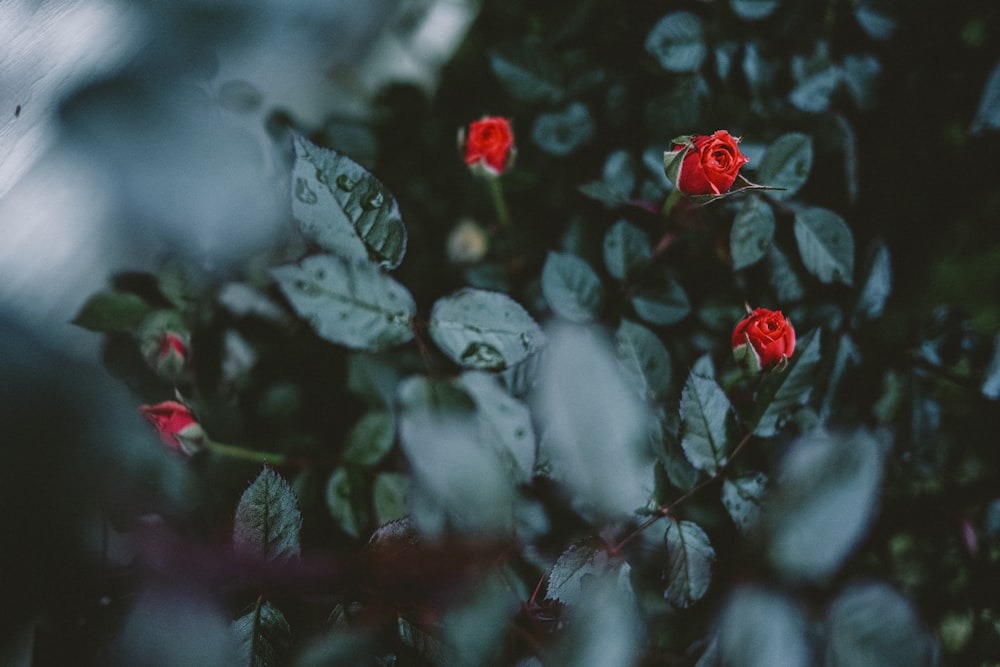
(343, 209)
(690, 557)
(268, 521)
(484, 330)
(348, 301)
(483, 454)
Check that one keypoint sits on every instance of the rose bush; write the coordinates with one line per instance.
(705, 165)
(177, 427)
(763, 340)
(489, 144)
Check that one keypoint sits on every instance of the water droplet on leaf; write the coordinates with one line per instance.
(304, 193)
(345, 183)
(372, 200)
(483, 356)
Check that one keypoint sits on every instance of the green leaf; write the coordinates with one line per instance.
(458, 480)
(760, 628)
(690, 557)
(783, 278)
(593, 422)
(267, 520)
(348, 302)
(988, 112)
(373, 377)
(484, 330)
(504, 424)
(786, 164)
(752, 233)
(264, 635)
(578, 563)
(873, 624)
(848, 355)
(561, 133)
(677, 42)
(822, 504)
(825, 244)
(742, 498)
(345, 501)
(815, 88)
(389, 496)
(529, 74)
(661, 302)
(753, 10)
(371, 438)
(707, 420)
(877, 288)
(644, 358)
(991, 378)
(106, 312)
(342, 208)
(626, 250)
(783, 392)
(572, 289)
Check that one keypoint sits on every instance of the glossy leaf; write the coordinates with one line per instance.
(106, 312)
(873, 624)
(742, 497)
(370, 439)
(677, 42)
(752, 233)
(706, 423)
(579, 562)
(483, 330)
(267, 520)
(626, 250)
(342, 208)
(348, 302)
(786, 164)
(661, 302)
(572, 289)
(690, 558)
(825, 497)
(825, 244)
(783, 392)
(264, 635)
(644, 358)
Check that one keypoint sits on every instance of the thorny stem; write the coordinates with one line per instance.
(668, 510)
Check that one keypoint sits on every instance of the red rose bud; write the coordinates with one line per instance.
(763, 341)
(704, 165)
(178, 428)
(489, 145)
(172, 355)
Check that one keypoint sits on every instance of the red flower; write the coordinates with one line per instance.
(178, 428)
(489, 145)
(704, 165)
(763, 340)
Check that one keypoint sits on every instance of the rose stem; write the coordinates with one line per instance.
(245, 454)
(496, 190)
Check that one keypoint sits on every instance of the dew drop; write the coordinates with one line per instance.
(345, 183)
(303, 192)
(483, 356)
(372, 200)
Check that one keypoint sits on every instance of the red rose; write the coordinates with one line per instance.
(489, 145)
(764, 340)
(704, 165)
(178, 428)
